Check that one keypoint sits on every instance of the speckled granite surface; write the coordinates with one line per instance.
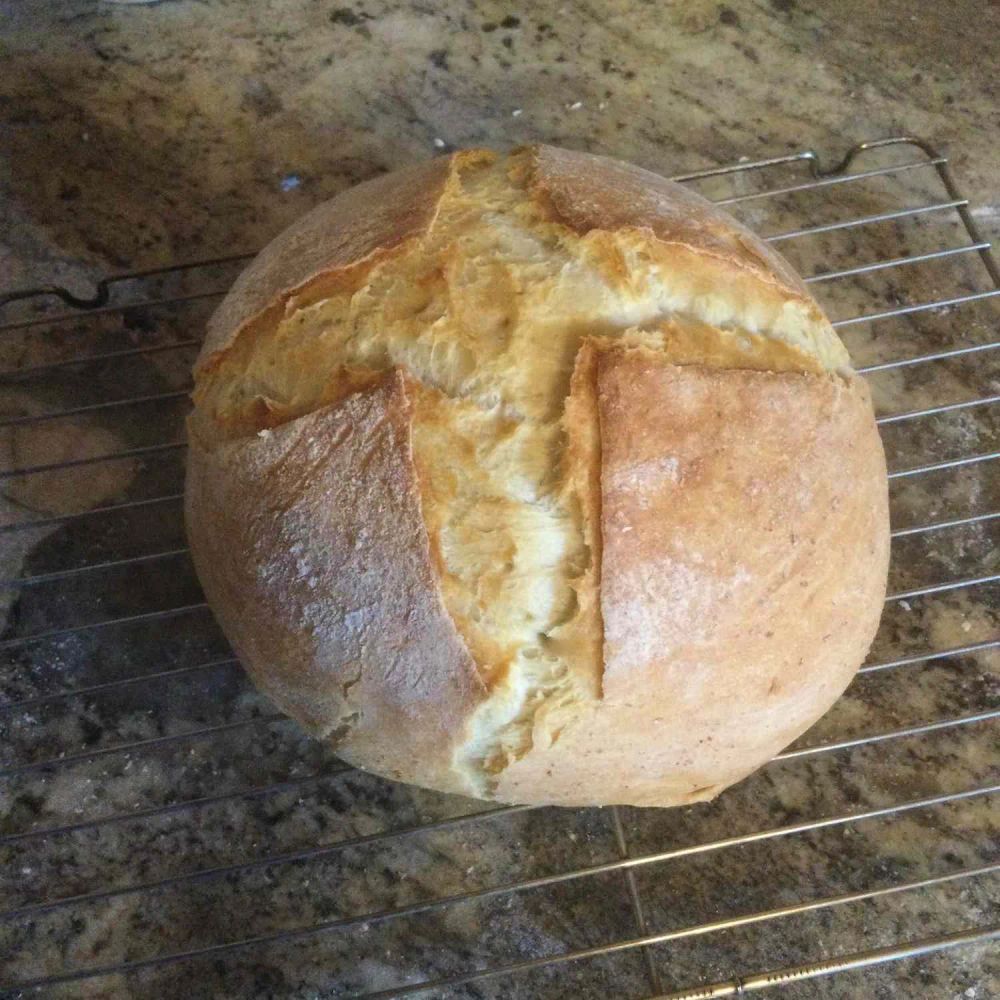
(136, 135)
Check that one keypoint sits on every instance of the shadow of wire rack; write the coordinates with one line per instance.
(166, 833)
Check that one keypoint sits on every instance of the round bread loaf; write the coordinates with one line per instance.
(536, 477)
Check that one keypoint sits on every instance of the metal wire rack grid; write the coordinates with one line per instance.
(151, 290)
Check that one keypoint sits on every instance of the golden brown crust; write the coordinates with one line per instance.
(587, 192)
(581, 191)
(310, 544)
(742, 579)
(358, 225)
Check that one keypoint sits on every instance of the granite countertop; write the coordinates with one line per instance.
(135, 135)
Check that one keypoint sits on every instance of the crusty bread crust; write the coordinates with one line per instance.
(355, 227)
(581, 191)
(743, 574)
(734, 521)
(310, 544)
(587, 192)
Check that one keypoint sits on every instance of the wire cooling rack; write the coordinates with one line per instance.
(166, 833)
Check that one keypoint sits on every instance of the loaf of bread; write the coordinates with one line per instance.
(537, 478)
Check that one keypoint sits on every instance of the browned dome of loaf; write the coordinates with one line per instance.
(537, 477)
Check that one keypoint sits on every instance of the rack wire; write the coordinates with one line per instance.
(166, 832)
